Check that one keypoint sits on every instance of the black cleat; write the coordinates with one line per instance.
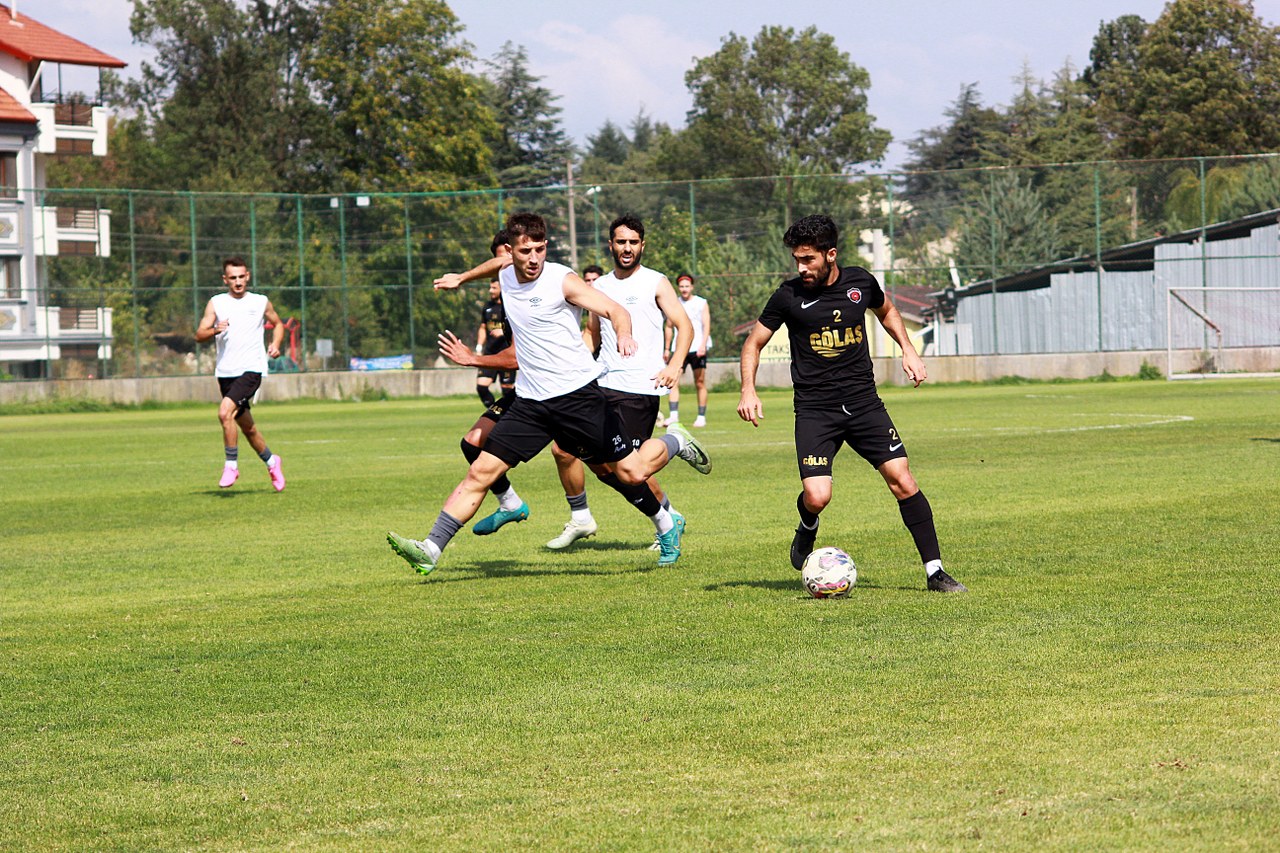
(802, 545)
(940, 581)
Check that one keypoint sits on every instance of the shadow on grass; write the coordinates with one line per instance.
(645, 561)
(784, 585)
(1269, 440)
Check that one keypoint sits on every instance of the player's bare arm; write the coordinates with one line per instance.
(706, 329)
(678, 320)
(487, 271)
(578, 292)
(750, 408)
(452, 348)
(912, 363)
(277, 332)
(209, 326)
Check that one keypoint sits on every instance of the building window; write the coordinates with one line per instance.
(77, 247)
(8, 174)
(11, 277)
(75, 146)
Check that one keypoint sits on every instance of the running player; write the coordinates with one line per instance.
(236, 318)
(557, 396)
(699, 313)
(834, 384)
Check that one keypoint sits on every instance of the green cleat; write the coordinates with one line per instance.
(414, 552)
(491, 523)
(679, 521)
(693, 452)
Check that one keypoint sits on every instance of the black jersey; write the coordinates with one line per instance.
(494, 318)
(830, 360)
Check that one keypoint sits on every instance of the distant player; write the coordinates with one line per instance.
(236, 319)
(592, 272)
(834, 383)
(699, 313)
(557, 396)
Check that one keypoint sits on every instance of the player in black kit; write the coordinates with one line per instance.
(836, 402)
(492, 338)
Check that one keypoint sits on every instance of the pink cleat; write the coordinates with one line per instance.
(277, 473)
(229, 476)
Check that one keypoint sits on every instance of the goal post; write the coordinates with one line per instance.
(1220, 331)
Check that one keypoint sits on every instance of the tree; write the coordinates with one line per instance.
(1006, 230)
(1206, 82)
(529, 146)
(224, 106)
(783, 95)
(403, 112)
(609, 144)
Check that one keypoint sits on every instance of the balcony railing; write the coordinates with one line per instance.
(73, 115)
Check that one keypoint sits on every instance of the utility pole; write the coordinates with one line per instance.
(573, 224)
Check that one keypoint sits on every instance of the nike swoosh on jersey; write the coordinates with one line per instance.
(807, 304)
(894, 447)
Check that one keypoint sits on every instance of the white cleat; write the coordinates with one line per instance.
(573, 531)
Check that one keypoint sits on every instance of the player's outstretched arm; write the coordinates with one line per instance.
(912, 363)
(452, 348)
(750, 408)
(488, 271)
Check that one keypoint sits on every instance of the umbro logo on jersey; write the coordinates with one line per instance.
(632, 299)
(804, 304)
(537, 300)
(855, 295)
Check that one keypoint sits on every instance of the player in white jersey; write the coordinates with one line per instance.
(699, 313)
(557, 396)
(236, 319)
(633, 385)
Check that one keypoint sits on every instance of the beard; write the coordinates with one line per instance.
(820, 277)
(635, 260)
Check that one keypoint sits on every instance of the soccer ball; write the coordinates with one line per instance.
(829, 573)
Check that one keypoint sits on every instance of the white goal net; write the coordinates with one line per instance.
(1221, 331)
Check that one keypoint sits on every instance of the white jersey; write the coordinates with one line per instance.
(241, 348)
(547, 335)
(638, 293)
(696, 307)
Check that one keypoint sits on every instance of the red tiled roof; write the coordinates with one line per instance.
(29, 40)
(11, 110)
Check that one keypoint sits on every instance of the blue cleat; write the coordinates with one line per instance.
(491, 523)
(669, 546)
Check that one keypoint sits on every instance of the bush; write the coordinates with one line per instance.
(1149, 371)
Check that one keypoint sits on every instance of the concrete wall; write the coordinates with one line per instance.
(452, 381)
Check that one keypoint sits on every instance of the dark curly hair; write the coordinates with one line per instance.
(817, 230)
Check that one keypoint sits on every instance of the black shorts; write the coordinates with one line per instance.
(865, 427)
(637, 413)
(240, 389)
(582, 422)
(494, 412)
(697, 362)
(506, 378)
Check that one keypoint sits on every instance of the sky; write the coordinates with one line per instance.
(610, 62)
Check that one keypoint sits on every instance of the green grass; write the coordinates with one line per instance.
(185, 667)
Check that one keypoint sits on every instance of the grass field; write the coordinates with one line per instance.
(185, 667)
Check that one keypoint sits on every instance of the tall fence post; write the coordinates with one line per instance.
(693, 231)
(133, 288)
(888, 273)
(302, 280)
(342, 277)
(195, 271)
(995, 269)
(253, 238)
(1097, 246)
(408, 264)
